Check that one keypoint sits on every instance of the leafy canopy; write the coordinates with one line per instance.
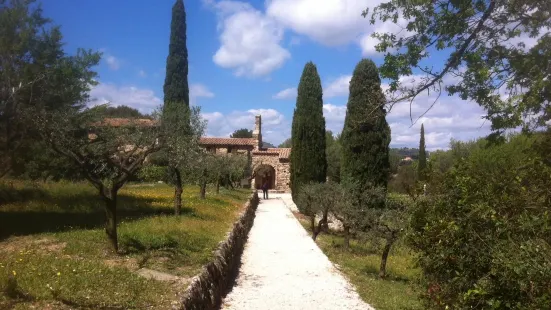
(242, 133)
(489, 55)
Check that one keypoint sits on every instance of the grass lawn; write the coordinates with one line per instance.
(54, 253)
(361, 265)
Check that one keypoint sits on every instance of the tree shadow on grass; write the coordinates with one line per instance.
(390, 276)
(76, 211)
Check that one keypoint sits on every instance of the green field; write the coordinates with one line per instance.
(55, 253)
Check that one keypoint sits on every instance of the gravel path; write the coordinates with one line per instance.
(284, 269)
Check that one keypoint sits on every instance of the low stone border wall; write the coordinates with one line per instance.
(207, 289)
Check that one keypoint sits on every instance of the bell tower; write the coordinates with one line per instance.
(257, 132)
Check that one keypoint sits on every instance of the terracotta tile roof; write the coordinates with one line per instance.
(118, 122)
(283, 153)
(227, 141)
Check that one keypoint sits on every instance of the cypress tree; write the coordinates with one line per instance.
(366, 135)
(176, 88)
(422, 167)
(308, 158)
(176, 96)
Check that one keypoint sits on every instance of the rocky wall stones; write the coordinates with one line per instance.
(215, 280)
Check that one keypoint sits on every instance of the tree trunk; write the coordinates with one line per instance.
(218, 187)
(110, 198)
(317, 231)
(346, 237)
(178, 190)
(313, 227)
(204, 185)
(386, 250)
(324, 219)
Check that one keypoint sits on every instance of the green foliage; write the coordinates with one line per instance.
(176, 88)
(422, 165)
(317, 197)
(36, 74)
(152, 173)
(286, 144)
(394, 159)
(242, 133)
(406, 181)
(366, 135)
(182, 130)
(333, 154)
(484, 241)
(486, 56)
(123, 111)
(308, 157)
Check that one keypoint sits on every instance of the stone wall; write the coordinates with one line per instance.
(283, 176)
(215, 280)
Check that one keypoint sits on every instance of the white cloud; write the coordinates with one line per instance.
(286, 94)
(142, 99)
(250, 41)
(275, 127)
(330, 22)
(368, 43)
(142, 73)
(337, 87)
(113, 62)
(333, 22)
(449, 118)
(334, 117)
(200, 90)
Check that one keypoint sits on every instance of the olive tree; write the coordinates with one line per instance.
(107, 151)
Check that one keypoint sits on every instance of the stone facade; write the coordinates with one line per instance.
(267, 164)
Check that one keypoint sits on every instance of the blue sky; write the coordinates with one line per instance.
(246, 58)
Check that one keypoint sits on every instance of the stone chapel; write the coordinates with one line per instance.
(267, 164)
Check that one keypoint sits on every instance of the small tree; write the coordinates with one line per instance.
(388, 223)
(183, 128)
(317, 199)
(107, 152)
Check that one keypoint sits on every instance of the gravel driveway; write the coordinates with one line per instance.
(284, 269)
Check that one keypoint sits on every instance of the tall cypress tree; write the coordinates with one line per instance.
(422, 167)
(176, 88)
(308, 158)
(176, 96)
(366, 135)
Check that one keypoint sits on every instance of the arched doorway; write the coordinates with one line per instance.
(264, 173)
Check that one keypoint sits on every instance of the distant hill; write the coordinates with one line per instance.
(406, 151)
(268, 145)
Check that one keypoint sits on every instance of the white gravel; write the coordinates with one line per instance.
(284, 269)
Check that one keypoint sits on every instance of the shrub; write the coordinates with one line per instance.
(485, 243)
